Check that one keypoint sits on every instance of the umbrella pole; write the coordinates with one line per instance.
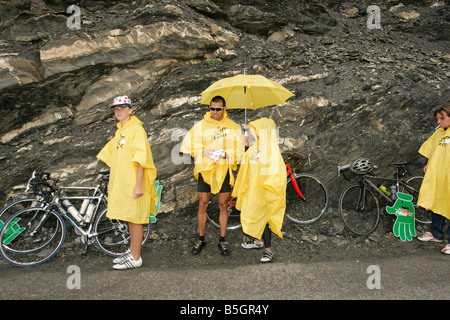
(245, 117)
(245, 106)
(246, 138)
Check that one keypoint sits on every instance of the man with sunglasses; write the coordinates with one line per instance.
(216, 145)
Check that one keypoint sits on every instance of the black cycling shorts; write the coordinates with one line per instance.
(202, 186)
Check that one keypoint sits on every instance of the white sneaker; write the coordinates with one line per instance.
(446, 249)
(427, 236)
(267, 256)
(128, 263)
(252, 245)
(123, 257)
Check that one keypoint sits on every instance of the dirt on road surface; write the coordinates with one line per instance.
(167, 256)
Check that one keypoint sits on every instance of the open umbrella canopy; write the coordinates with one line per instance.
(247, 91)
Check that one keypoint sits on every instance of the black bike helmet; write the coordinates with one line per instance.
(361, 166)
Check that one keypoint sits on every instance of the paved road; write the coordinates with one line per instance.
(423, 276)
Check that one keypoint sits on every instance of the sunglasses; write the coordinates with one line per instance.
(216, 109)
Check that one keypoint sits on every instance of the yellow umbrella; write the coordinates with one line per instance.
(247, 91)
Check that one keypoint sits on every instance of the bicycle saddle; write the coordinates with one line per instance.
(398, 164)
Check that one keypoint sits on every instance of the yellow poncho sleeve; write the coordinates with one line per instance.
(260, 186)
(435, 190)
(128, 148)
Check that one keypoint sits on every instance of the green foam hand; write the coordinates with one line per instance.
(403, 208)
(157, 203)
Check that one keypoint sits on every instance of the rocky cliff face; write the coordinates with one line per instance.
(359, 90)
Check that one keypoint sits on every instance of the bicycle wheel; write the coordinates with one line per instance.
(359, 209)
(309, 207)
(32, 236)
(212, 213)
(15, 206)
(412, 187)
(112, 236)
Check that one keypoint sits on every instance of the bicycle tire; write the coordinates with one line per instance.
(15, 206)
(112, 236)
(39, 234)
(314, 204)
(421, 215)
(212, 214)
(359, 217)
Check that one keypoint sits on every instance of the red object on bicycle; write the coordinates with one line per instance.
(294, 182)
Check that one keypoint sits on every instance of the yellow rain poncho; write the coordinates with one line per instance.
(261, 182)
(211, 134)
(122, 153)
(435, 190)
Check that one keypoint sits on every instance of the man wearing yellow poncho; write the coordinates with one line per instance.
(261, 187)
(216, 145)
(131, 191)
(435, 190)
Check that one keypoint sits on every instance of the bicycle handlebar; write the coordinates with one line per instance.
(343, 168)
(39, 177)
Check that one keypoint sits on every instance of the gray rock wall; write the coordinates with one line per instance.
(358, 91)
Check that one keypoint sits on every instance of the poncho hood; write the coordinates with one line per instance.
(263, 123)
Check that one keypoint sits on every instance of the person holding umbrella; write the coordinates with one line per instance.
(216, 144)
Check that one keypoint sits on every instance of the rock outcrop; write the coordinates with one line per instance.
(359, 91)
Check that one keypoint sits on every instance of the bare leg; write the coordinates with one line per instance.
(136, 235)
(203, 201)
(223, 207)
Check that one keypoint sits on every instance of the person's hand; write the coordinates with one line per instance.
(138, 191)
(216, 155)
(404, 210)
(208, 152)
(219, 154)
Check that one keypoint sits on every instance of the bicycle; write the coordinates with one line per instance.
(33, 235)
(359, 204)
(306, 196)
(37, 200)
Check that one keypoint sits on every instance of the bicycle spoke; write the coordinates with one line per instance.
(31, 237)
(234, 216)
(7, 211)
(412, 187)
(308, 206)
(112, 236)
(359, 210)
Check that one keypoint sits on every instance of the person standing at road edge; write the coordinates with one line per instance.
(261, 188)
(435, 190)
(216, 145)
(131, 191)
